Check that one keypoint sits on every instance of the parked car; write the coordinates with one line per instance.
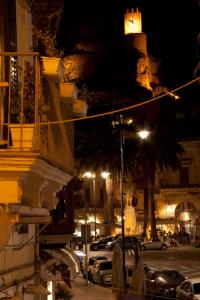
(77, 242)
(101, 272)
(130, 242)
(81, 256)
(153, 245)
(163, 283)
(101, 244)
(189, 289)
(88, 268)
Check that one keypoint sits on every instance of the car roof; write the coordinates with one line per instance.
(167, 271)
(150, 269)
(127, 237)
(105, 261)
(193, 280)
(99, 257)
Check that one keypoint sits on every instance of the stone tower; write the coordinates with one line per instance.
(138, 40)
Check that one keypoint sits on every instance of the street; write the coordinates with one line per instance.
(185, 259)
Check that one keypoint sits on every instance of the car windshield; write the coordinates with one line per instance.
(104, 239)
(106, 265)
(118, 239)
(93, 259)
(170, 276)
(197, 288)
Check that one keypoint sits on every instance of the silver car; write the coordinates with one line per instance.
(101, 272)
(88, 268)
(153, 245)
(189, 289)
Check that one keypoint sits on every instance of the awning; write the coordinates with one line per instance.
(36, 289)
(66, 255)
(166, 221)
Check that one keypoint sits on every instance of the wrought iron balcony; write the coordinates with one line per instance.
(59, 226)
(22, 106)
(24, 103)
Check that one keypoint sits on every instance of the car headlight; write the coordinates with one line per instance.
(168, 290)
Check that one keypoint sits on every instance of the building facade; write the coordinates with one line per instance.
(36, 149)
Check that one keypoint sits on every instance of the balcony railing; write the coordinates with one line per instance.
(59, 226)
(22, 104)
(21, 91)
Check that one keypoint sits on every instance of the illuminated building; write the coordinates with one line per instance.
(36, 161)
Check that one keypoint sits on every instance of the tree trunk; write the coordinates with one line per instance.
(152, 211)
(109, 206)
(146, 209)
(110, 196)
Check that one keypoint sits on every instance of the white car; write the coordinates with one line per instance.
(101, 272)
(153, 245)
(189, 289)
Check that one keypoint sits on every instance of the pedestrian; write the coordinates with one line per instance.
(66, 275)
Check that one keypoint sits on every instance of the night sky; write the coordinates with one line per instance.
(172, 27)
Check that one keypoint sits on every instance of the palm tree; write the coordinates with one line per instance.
(97, 148)
(159, 151)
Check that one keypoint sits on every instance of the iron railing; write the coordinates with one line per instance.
(22, 103)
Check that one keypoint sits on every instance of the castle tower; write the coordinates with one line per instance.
(132, 21)
(136, 39)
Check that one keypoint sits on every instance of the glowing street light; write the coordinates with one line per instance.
(92, 175)
(88, 174)
(105, 174)
(175, 96)
(143, 134)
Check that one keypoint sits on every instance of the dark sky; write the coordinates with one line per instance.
(172, 27)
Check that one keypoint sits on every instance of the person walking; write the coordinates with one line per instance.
(66, 275)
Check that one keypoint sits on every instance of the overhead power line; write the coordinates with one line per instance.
(118, 110)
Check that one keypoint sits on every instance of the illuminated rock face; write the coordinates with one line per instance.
(143, 74)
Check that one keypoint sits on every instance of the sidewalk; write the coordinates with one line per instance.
(81, 291)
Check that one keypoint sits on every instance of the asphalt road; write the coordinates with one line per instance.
(185, 259)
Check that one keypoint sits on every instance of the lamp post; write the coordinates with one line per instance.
(121, 121)
(92, 175)
(86, 240)
(143, 134)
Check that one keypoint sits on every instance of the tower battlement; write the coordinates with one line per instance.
(132, 21)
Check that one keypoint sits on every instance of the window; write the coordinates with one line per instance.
(87, 195)
(150, 275)
(106, 265)
(185, 286)
(184, 176)
(196, 288)
(101, 192)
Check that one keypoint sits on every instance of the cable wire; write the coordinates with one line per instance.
(117, 110)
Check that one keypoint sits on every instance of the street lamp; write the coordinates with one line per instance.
(92, 175)
(121, 123)
(143, 134)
